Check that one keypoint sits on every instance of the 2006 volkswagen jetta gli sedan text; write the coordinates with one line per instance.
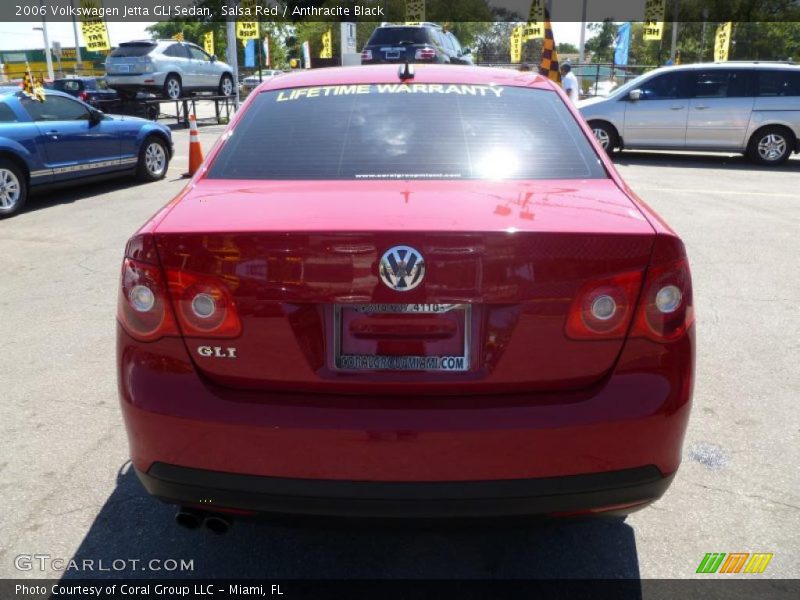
(399, 293)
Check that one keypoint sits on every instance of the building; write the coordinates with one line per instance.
(12, 63)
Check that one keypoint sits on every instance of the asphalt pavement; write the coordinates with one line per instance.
(68, 492)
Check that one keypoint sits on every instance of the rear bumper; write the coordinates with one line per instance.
(135, 82)
(617, 443)
(588, 493)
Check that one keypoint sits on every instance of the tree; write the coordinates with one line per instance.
(567, 48)
(601, 44)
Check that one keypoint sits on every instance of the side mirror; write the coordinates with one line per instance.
(634, 95)
(95, 116)
(213, 58)
(465, 51)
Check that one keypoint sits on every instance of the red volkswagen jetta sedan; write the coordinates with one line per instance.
(406, 293)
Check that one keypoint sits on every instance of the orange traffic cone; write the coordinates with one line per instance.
(195, 150)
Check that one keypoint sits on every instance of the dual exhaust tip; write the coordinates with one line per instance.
(190, 518)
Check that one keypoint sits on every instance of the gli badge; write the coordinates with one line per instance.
(216, 352)
(402, 268)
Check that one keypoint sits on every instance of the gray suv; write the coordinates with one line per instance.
(167, 67)
(752, 108)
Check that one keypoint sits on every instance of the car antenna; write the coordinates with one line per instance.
(405, 71)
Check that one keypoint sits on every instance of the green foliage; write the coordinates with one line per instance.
(764, 41)
(601, 43)
(567, 48)
(750, 41)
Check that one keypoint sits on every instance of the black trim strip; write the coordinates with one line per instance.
(183, 485)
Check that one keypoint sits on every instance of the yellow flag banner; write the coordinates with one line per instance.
(247, 30)
(415, 11)
(31, 86)
(208, 42)
(654, 19)
(327, 45)
(94, 31)
(534, 29)
(548, 64)
(516, 44)
(722, 43)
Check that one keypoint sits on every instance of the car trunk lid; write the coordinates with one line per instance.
(503, 264)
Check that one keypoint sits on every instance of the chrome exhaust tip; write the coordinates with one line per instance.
(188, 518)
(217, 524)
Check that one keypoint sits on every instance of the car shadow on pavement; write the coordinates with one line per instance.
(133, 526)
(54, 196)
(698, 161)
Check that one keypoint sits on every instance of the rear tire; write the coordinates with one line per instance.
(13, 188)
(606, 136)
(153, 159)
(172, 87)
(225, 85)
(771, 146)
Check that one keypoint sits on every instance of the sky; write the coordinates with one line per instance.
(19, 36)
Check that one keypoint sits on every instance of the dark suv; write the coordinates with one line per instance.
(423, 43)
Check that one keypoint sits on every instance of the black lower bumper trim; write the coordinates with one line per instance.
(183, 485)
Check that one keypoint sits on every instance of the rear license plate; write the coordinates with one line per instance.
(375, 337)
(124, 68)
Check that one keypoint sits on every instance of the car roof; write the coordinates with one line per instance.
(418, 25)
(732, 64)
(8, 90)
(447, 74)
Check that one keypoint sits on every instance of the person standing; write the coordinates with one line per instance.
(569, 82)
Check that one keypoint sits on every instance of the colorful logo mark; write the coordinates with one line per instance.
(736, 562)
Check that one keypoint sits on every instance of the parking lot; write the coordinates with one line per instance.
(68, 491)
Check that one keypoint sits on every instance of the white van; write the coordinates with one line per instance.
(748, 107)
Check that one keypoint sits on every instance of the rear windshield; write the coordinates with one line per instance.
(132, 49)
(69, 85)
(417, 131)
(396, 36)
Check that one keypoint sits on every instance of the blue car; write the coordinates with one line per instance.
(63, 140)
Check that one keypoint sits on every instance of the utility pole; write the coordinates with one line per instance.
(78, 61)
(232, 52)
(674, 31)
(703, 36)
(581, 50)
(47, 55)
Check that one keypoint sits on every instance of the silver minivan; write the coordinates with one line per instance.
(752, 108)
(168, 67)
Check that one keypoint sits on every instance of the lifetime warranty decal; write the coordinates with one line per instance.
(390, 88)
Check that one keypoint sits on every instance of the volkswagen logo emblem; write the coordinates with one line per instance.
(402, 268)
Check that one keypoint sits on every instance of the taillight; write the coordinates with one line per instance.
(366, 55)
(203, 305)
(143, 308)
(83, 96)
(666, 309)
(603, 308)
(425, 54)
